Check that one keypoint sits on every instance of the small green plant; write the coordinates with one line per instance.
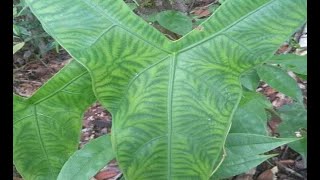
(172, 102)
(27, 31)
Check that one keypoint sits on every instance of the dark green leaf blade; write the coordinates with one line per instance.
(238, 164)
(47, 125)
(251, 116)
(243, 152)
(86, 162)
(295, 63)
(294, 120)
(250, 80)
(249, 144)
(280, 80)
(175, 21)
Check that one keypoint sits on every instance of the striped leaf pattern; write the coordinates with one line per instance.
(47, 125)
(172, 101)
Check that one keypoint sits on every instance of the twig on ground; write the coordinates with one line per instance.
(289, 170)
(118, 177)
(28, 81)
(190, 6)
(284, 153)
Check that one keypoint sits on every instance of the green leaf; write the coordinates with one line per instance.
(301, 76)
(86, 162)
(150, 17)
(237, 164)
(213, 7)
(17, 47)
(132, 6)
(243, 152)
(250, 144)
(251, 115)
(171, 101)
(250, 80)
(16, 30)
(294, 119)
(19, 30)
(295, 63)
(198, 21)
(47, 125)
(300, 147)
(175, 21)
(15, 11)
(280, 80)
(247, 132)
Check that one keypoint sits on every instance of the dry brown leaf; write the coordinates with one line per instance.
(201, 13)
(16, 178)
(287, 162)
(244, 177)
(106, 174)
(283, 49)
(269, 174)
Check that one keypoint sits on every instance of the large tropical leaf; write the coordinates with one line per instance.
(171, 101)
(47, 125)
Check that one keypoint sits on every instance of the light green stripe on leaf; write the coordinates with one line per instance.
(47, 125)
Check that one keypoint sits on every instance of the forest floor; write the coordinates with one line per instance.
(29, 75)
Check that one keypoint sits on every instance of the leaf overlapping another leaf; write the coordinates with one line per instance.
(244, 152)
(251, 115)
(294, 120)
(280, 80)
(248, 139)
(86, 162)
(295, 63)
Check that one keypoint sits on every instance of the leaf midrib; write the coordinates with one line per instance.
(41, 141)
(195, 44)
(170, 100)
(60, 89)
(36, 120)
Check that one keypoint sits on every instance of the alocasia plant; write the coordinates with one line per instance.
(172, 102)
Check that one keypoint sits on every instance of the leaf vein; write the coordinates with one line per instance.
(41, 141)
